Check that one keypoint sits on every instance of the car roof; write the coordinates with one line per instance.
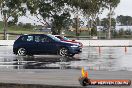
(33, 34)
(57, 35)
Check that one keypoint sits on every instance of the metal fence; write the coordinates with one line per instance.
(9, 36)
(14, 36)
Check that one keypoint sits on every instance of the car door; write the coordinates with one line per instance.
(29, 43)
(38, 44)
(48, 45)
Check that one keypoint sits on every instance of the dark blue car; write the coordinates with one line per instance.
(44, 44)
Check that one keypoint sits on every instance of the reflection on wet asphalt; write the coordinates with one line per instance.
(94, 58)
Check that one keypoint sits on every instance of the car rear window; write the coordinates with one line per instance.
(23, 38)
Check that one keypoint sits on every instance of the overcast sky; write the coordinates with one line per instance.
(124, 8)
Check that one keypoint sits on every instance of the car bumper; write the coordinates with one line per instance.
(14, 50)
(75, 50)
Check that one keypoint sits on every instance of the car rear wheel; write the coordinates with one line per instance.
(63, 52)
(21, 52)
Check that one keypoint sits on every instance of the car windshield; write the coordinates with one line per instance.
(54, 38)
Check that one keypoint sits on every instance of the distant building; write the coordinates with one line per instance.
(117, 27)
(81, 29)
(123, 27)
(43, 29)
(46, 30)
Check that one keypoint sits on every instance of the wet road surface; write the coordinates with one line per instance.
(93, 58)
(45, 69)
(67, 77)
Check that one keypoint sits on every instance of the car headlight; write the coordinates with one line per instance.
(74, 46)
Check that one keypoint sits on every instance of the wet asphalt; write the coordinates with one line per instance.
(91, 58)
(100, 62)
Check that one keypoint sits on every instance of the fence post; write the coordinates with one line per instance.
(7, 36)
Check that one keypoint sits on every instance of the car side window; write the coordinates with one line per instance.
(29, 38)
(45, 39)
(37, 39)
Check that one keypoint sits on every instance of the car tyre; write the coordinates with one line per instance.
(21, 52)
(30, 54)
(71, 55)
(63, 51)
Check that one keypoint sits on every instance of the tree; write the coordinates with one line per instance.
(128, 32)
(105, 24)
(92, 8)
(10, 9)
(121, 32)
(124, 20)
(120, 20)
(111, 4)
(59, 22)
(53, 13)
(49, 10)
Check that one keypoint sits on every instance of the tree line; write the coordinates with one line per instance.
(117, 31)
(124, 20)
(118, 21)
(55, 13)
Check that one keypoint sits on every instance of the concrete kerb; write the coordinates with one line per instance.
(62, 75)
(15, 85)
(113, 43)
(6, 42)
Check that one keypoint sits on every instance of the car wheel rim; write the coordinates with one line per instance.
(21, 52)
(63, 52)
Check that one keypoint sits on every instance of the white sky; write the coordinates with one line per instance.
(124, 8)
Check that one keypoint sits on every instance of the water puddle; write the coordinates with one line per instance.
(93, 58)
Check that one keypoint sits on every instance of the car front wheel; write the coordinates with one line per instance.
(63, 52)
(21, 52)
(71, 55)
